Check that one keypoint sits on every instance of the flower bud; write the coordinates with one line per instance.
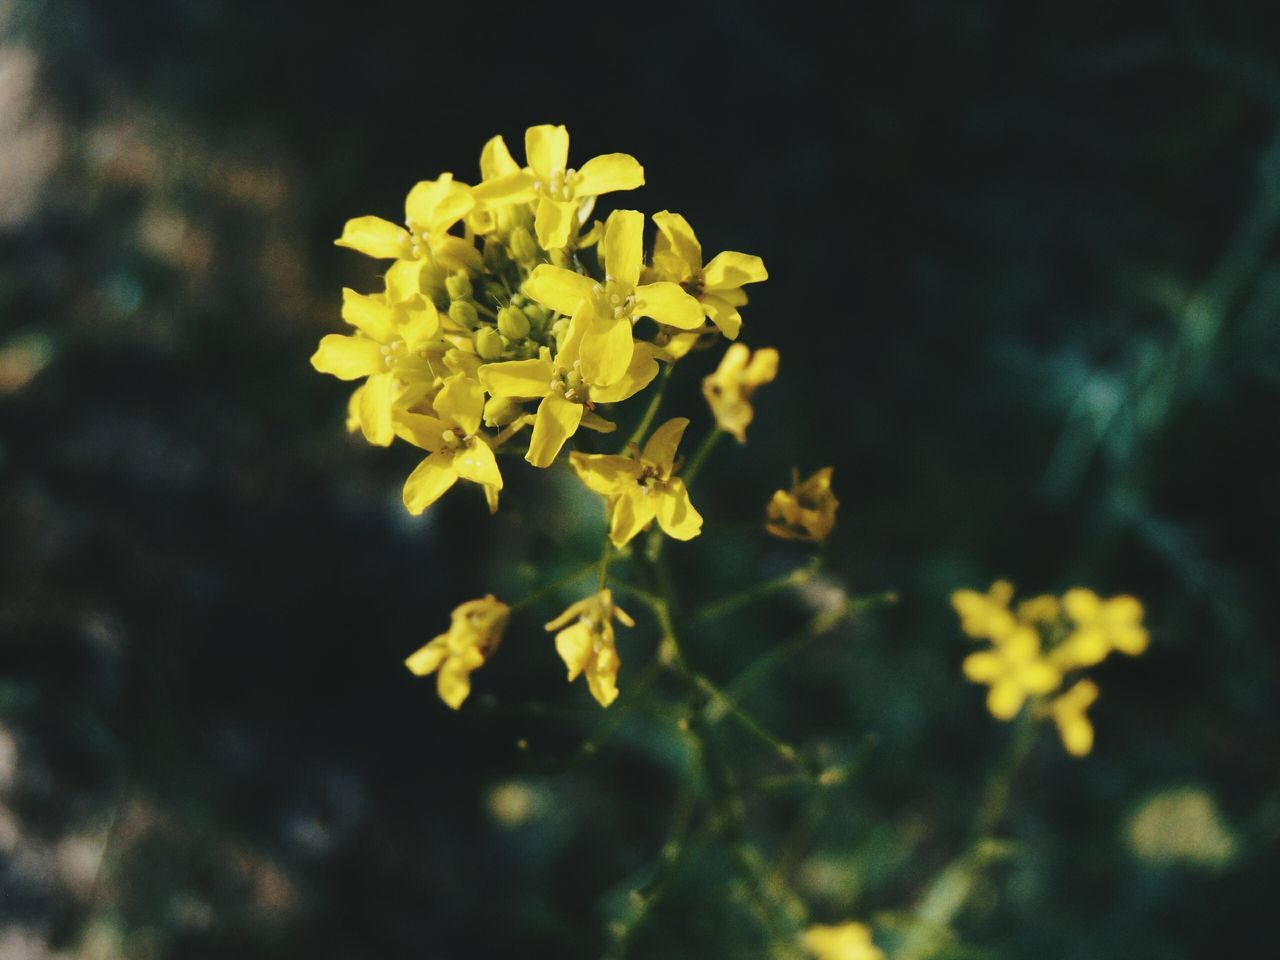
(560, 330)
(458, 285)
(463, 313)
(513, 323)
(522, 245)
(495, 293)
(489, 344)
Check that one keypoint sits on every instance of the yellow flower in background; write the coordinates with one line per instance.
(475, 630)
(677, 256)
(1015, 669)
(601, 336)
(1044, 610)
(1101, 626)
(845, 941)
(805, 512)
(391, 348)
(641, 489)
(729, 389)
(458, 450)
(1068, 712)
(587, 644)
(986, 616)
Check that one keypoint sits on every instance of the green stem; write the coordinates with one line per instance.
(694, 466)
(999, 786)
(552, 587)
(655, 402)
(736, 601)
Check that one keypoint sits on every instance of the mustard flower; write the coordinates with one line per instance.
(431, 208)
(677, 256)
(641, 489)
(728, 390)
(602, 335)
(458, 449)
(1068, 712)
(1015, 669)
(805, 512)
(587, 645)
(475, 630)
(986, 616)
(845, 941)
(391, 348)
(1100, 627)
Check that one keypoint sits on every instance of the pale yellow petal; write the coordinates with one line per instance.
(607, 173)
(428, 482)
(375, 409)
(676, 515)
(370, 315)
(660, 449)
(623, 246)
(525, 379)
(461, 401)
(348, 358)
(374, 237)
(559, 289)
(554, 222)
(420, 430)
(602, 676)
(1005, 699)
(427, 659)
(726, 317)
(632, 512)
(677, 237)
(514, 187)
(640, 373)
(983, 666)
(556, 422)
(546, 147)
(605, 473)
(668, 303)
(476, 462)
(496, 160)
(453, 683)
(606, 351)
(574, 646)
(729, 270)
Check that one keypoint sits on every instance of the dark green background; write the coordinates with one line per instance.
(1025, 288)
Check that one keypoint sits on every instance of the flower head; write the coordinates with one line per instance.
(729, 389)
(643, 488)
(1100, 627)
(805, 512)
(586, 643)
(986, 616)
(475, 630)
(845, 941)
(1015, 669)
(1068, 712)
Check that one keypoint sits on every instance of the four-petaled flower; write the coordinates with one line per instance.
(1015, 670)
(587, 646)
(1101, 626)
(475, 630)
(805, 512)
(728, 390)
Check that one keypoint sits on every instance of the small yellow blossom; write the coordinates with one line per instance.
(677, 256)
(587, 644)
(1044, 610)
(845, 941)
(986, 616)
(458, 449)
(475, 630)
(641, 489)
(729, 389)
(1015, 670)
(1068, 712)
(602, 335)
(1101, 626)
(805, 512)
(431, 209)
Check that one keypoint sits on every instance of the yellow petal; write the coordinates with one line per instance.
(375, 409)
(374, 237)
(370, 315)
(453, 683)
(729, 270)
(524, 379)
(428, 482)
(556, 422)
(427, 659)
(514, 187)
(572, 612)
(605, 473)
(607, 173)
(574, 646)
(632, 512)
(1077, 734)
(476, 462)
(405, 279)
(660, 450)
(1005, 699)
(1082, 605)
(606, 351)
(461, 401)
(496, 160)
(668, 303)
(602, 676)
(1040, 677)
(676, 515)
(436, 205)
(623, 246)
(677, 237)
(640, 373)
(726, 318)
(546, 147)
(417, 322)
(348, 358)
(983, 666)
(420, 430)
(554, 222)
(559, 289)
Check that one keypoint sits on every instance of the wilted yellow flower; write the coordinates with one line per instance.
(729, 389)
(641, 489)
(677, 256)
(805, 512)
(475, 630)
(1101, 626)
(986, 616)
(587, 645)
(1068, 712)
(601, 336)
(1015, 670)
(845, 941)
(458, 450)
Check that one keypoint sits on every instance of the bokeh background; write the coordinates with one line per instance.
(1025, 285)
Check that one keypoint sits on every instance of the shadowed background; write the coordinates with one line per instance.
(1025, 288)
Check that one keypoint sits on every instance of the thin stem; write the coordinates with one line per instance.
(655, 402)
(999, 786)
(736, 601)
(552, 587)
(694, 466)
(606, 555)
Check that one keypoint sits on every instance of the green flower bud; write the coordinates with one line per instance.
(489, 343)
(463, 313)
(500, 411)
(495, 293)
(513, 323)
(560, 330)
(458, 285)
(522, 245)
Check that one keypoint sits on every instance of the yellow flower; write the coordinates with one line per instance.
(458, 450)
(845, 941)
(431, 208)
(475, 630)
(677, 256)
(602, 334)
(805, 512)
(640, 490)
(587, 644)
(986, 615)
(1101, 626)
(568, 398)
(564, 196)
(1068, 712)
(1015, 670)
(729, 389)
(1044, 610)
(390, 348)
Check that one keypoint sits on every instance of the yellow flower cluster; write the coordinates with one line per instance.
(493, 317)
(1038, 644)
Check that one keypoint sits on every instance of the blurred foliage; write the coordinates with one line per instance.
(1024, 285)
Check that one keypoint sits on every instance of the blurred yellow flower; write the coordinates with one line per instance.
(587, 645)
(805, 512)
(1101, 626)
(1068, 712)
(845, 941)
(641, 489)
(728, 390)
(475, 630)
(986, 616)
(1015, 670)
